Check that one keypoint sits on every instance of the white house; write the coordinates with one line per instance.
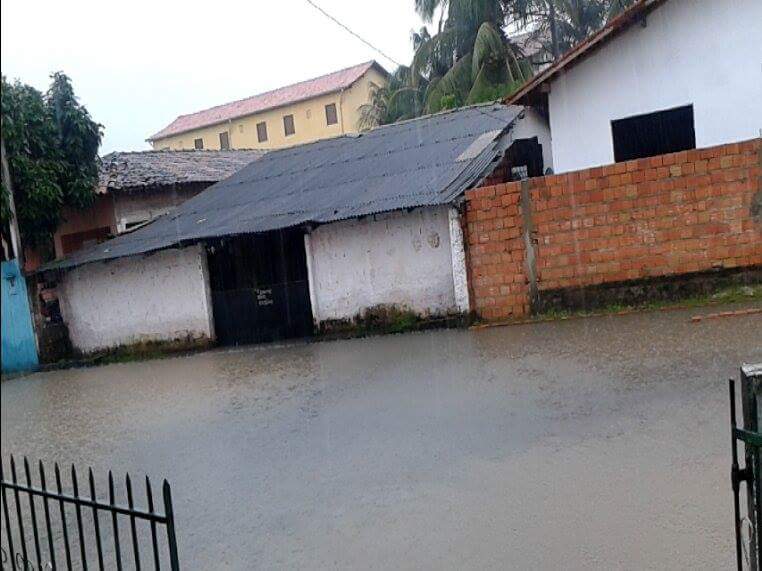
(667, 75)
(308, 237)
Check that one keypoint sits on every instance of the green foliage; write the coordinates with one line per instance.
(400, 99)
(51, 144)
(469, 60)
(575, 19)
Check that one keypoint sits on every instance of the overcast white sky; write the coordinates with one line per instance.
(139, 64)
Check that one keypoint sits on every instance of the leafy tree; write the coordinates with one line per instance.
(51, 145)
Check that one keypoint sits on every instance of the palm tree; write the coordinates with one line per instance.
(563, 23)
(469, 59)
(400, 99)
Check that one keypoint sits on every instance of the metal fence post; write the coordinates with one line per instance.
(173, 559)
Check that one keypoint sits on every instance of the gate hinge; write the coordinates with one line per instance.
(738, 475)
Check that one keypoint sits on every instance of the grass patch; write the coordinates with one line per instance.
(382, 319)
(139, 351)
(730, 294)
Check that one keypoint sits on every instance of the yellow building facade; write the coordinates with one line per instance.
(320, 108)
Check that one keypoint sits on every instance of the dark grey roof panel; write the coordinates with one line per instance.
(130, 171)
(422, 162)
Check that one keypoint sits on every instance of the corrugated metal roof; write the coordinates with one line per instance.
(287, 95)
(422, 162)
(150, 169)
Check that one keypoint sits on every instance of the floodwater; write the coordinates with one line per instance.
(590, 443)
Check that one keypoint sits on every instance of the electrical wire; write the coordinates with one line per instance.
(380, 51)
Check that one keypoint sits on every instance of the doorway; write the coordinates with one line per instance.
(260, 289)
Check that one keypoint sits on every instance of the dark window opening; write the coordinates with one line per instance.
(525, 159)
(262, 132)
(224, 141)
(653, 134)
(198, 144)
(331, 117)
(288, 125)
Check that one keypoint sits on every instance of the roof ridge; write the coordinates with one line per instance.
(179, 151)
(360, 67)
(496, 104)
(569, 58)
(296, 83)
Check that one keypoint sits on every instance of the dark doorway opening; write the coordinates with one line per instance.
(654, 134)
(524, 157)
(260, 290)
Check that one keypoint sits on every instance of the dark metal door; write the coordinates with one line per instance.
(260, 290)
(255, 315)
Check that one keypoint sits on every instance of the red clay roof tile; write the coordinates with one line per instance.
(269, 100)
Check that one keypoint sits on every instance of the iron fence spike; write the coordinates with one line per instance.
(33, 514)
(22, 483)
(17, 501)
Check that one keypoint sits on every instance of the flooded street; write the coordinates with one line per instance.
(589, 443)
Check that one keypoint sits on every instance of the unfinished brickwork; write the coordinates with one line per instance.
(671, 215)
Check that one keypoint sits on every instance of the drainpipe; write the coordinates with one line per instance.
(341, 110)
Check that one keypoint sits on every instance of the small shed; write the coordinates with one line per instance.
(305, 237)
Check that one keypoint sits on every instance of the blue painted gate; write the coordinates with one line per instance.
(19, 348)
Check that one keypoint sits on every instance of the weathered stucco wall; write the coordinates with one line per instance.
(141, 206)
(161, 297)
(699, 52)
(402, 259)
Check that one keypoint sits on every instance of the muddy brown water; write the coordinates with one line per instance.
(589, 443)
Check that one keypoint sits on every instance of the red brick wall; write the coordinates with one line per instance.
(495, 252)
(668, 215)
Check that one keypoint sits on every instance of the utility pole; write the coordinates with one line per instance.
(13, 224)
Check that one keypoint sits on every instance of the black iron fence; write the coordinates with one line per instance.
(46, 528)
(747, 478)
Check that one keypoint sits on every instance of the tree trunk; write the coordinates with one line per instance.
(553, 28)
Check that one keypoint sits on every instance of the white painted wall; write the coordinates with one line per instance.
(458, 261)
(704, 52)
(399, 258)
(160, 297)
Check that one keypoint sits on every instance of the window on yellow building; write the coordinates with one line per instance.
(288, 125)
(331, 118)
(198, 144)
(224, 141)
(262, 132)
